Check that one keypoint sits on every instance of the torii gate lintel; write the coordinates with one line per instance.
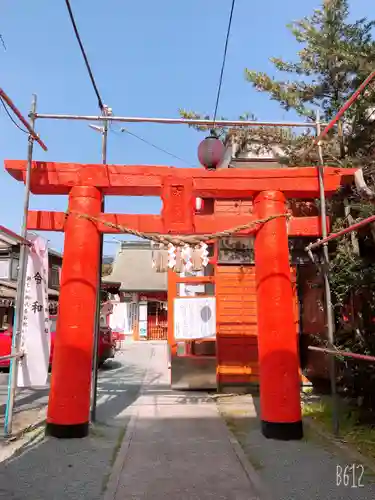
(151, 180)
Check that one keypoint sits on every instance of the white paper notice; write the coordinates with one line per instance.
(35, 333)
(194, 318)
(117, 318)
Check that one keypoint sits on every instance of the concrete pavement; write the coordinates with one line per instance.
(30, 408)
(51, 469)
(310, 469)
(31, 403)
(26, 398)
(177, 447)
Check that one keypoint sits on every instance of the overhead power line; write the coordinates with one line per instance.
(2, 42)
(8, 104)
(11, 117)
(149, 143)
(100, 102)
(224, 60)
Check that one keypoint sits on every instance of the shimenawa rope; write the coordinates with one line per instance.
(179, 241)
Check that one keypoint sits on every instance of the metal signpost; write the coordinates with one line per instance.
(97, 313)
(16, 339)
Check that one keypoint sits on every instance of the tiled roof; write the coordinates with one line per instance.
(132, 268)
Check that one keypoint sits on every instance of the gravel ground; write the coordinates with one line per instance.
(49, 469)
(294, 470)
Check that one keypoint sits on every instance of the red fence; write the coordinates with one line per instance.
(157, 328)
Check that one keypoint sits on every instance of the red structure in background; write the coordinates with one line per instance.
(69, 402)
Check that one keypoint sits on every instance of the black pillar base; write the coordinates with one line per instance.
(67, 431)
(282, 431)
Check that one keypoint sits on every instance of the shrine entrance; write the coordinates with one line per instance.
(270, 222)
(225, 359)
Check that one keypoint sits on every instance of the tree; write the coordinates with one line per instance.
(336, 55)
(106, 269)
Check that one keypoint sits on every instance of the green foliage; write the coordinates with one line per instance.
(220, 131)
(350, 275)
(106, 269)
(336, 57)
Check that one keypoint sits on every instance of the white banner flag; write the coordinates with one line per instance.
(194, 318)
(35, 336)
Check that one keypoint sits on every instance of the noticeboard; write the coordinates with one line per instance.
(236, 250)
(194, 318)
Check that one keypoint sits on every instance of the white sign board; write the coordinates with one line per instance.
(4, 269)
(117, 320)
(35, 332)
(189, 290)
(122, 318)
(142, 319)
(194, 318)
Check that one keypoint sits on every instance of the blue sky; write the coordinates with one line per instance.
(149, 58)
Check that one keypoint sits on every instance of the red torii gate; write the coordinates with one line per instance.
(69, 400)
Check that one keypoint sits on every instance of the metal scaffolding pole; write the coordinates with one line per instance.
(344, 354)
(98, 294)
(17, 327)
(24, 122)
(176, 121)
(340, 113)
(327, 288)
(334, 236)
(345, 107)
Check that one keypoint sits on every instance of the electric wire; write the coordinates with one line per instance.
(149, 143)
(100, 102)
(2, 42)
(76, 32)
(11, 117)
(97, 314)
(224, 60)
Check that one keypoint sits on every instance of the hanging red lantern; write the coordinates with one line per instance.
(211, 152)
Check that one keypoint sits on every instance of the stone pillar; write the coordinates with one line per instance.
(69, 399)
(277, 338)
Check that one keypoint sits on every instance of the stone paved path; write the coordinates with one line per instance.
(179, 447)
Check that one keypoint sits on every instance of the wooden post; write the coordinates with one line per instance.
(277, 340)
(172, 294)
(69, 399)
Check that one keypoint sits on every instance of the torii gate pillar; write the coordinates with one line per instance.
(69, 398)
(277, 339)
